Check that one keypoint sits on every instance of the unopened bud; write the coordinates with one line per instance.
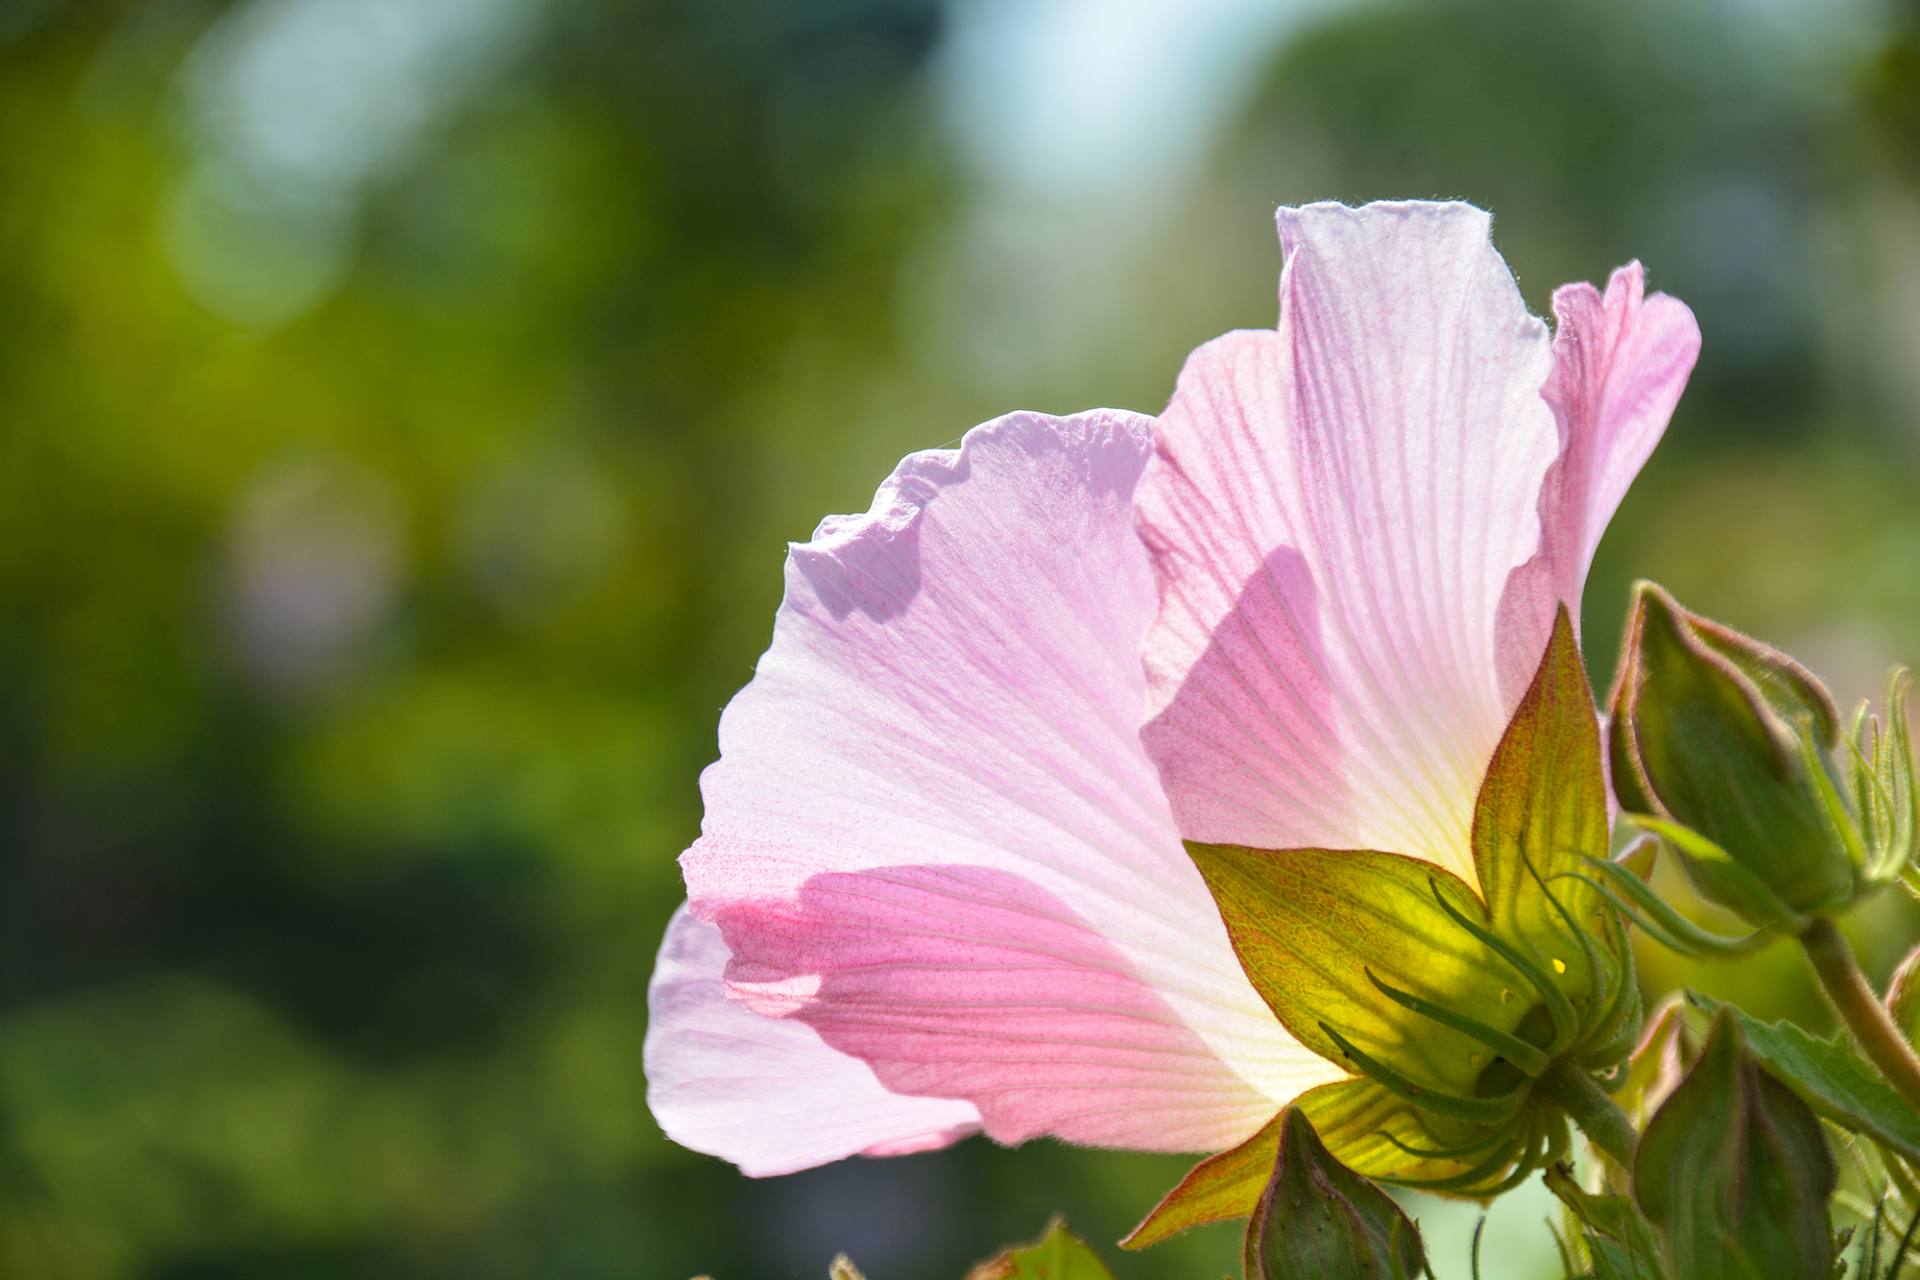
(1319, 1220)
(1733, 752)
(1734, 1171)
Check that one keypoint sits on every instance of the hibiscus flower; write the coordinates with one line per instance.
(943, 884)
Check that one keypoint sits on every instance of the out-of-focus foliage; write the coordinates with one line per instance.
(403, 404)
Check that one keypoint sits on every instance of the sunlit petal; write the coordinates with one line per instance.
(766, 1093)
(1362, 522)
(933, 834)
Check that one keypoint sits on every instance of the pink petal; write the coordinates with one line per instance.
(933, 834)
(1620, 364)
(766, 1093)
(1334, 511)
(970, 980)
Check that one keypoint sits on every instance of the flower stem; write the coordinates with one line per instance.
(1598, 1115)
(1868, 1019)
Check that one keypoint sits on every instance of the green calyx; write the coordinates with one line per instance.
(1734, 756)
(1451, 1003)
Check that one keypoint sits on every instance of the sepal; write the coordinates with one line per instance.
(1449, 1001)
(1886, 789)
(1903, 997)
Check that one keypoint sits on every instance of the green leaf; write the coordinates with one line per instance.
(1734, 1171)
(1316, 928)
(1316, 1219)
(1831, 1077)
(1542, 812)
(1057, 1255)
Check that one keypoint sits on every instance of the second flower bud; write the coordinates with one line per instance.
(1734, 754)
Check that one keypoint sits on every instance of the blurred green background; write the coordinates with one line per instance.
(403, 407)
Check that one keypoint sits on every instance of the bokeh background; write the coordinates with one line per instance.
(403, 407)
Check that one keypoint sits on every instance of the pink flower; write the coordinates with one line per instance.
(941, 886)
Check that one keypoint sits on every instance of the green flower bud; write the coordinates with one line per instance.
(1734, 1172)
(1733, 753)
(1319, 1220)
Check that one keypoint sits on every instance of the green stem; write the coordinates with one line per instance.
(1860, 1008)
(1598, 1115)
